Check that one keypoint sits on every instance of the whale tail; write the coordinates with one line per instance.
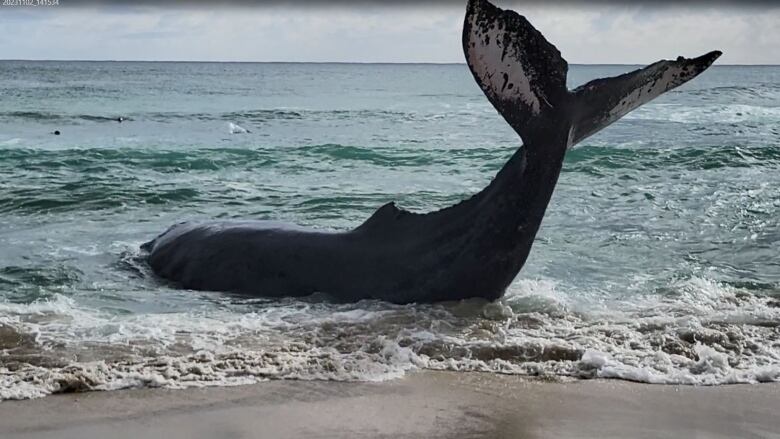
(524, 77)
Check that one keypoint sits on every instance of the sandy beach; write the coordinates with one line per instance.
(424, 404)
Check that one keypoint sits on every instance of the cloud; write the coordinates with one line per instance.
(369, 32)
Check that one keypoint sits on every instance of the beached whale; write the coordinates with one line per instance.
(472, 249)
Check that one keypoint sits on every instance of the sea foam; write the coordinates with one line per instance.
(706, 334)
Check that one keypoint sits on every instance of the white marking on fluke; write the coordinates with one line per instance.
(498, 65)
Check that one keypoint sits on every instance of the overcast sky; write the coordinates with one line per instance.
(365, 32)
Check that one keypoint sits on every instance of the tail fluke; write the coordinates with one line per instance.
(520, 72)
(524, 77)
(603, 101)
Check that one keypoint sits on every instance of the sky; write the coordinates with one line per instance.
(585, 33)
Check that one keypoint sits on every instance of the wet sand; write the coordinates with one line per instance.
(421, 405)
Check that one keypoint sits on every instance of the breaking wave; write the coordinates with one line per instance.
(694, 331)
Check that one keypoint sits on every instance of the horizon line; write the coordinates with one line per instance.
(334, 62)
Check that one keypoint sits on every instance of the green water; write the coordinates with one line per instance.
(657, 260)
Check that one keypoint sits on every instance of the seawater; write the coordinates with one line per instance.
(657, 260)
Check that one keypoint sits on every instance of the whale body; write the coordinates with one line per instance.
(472, 249)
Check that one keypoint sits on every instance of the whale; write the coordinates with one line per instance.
(473, 249)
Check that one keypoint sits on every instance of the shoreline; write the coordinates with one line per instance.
(428, 404)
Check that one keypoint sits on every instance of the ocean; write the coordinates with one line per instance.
(658, 259)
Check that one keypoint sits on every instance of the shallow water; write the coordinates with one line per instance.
(657, 260)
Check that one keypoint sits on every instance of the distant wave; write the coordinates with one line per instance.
(602, 159)
(105, 178)
(762, 90)
(47, 116)
(258, 115)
